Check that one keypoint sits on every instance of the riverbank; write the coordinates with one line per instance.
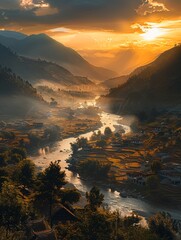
(62, 151)
(132, 158)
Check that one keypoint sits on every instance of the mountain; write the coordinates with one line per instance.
(41, 46)
(118, 81)
(155, 87)
(126, 60)
(11, 84)
(114, 82)
(17, 96)
(12, 34)
(36, 70)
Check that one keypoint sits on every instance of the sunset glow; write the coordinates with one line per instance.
(118, 29)
(90, 109)
(151, 34)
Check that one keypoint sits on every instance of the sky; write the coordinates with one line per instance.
(106, 32)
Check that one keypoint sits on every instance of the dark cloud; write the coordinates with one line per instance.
(9, 4)
(78, 14)
(151, 6)
(173, 5)
(92, 10)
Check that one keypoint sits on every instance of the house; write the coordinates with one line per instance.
(44, 235)
(62, 214)
(175, 178)
(37, 124)
(172, 177)
(136, 178)
(139, 178)
(40, 230)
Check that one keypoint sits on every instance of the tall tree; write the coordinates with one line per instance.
(162, 225)
(25, 173)
(51, 181)
(94, 198)
(12, 207)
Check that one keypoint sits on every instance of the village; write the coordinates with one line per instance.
(47, 128)
(143, 162)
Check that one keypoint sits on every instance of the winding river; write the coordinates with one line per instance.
(62, 151)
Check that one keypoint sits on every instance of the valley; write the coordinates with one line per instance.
(68, 128)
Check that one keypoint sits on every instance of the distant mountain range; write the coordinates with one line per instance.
(154, 87)
(36, 70)
(128, 59)
(13, 34)
(118, 81)
(43, 47)
(114, 82)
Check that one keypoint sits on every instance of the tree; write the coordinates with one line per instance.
(152, 182)
(131, 220)
(99, 135)
(3, 177)
(3, 159)
(25, 173)
(70, 195)
(156, 166)
(34, 138)
(94, 136)
(21, 151)
(52, 133)
(51, 180)
(118, 135)
(94, 168)
(15, 158)
(74, 147)
(12, 207)
(11, 235)
(94, 198)
(101, 143)
(107, 132)
(82, 142)
(99, 226)
(162, 225)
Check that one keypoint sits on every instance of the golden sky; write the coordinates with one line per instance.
(145, 40)
(103, 31)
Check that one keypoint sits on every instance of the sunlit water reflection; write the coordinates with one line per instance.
(62, 151)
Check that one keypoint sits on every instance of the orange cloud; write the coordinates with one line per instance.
(151, 6)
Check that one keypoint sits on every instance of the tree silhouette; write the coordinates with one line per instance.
(51, 181)
(94, 198)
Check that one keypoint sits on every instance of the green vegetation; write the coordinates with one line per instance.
(94, 198)
(81, 143)
(156, 166)
(97, 223)
(91, 167)
(24, 173)
(94, 168)
(155, 81)
(50, 181)
(12, 207)
(162, 225)
(25, 195)
(12, 84)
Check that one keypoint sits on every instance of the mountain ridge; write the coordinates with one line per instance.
(36, 70)
(41, 46)
(155, 86)
(17, 97)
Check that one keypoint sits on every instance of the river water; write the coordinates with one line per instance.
(62, 151)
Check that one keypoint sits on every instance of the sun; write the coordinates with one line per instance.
(151, 33)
